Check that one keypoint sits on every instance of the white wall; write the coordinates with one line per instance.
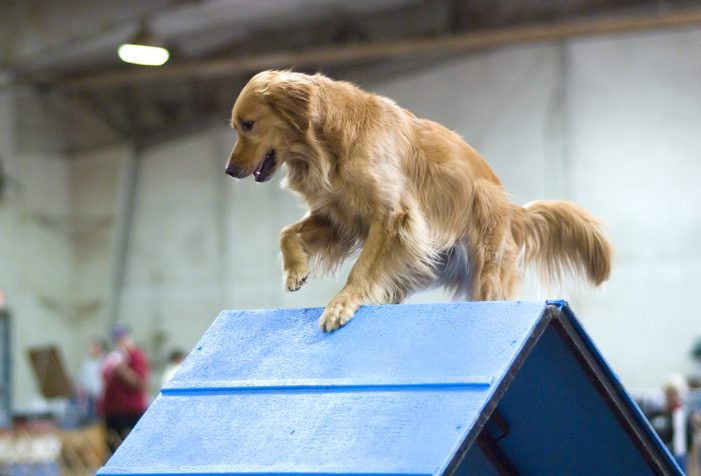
(609, 122)
(176, 280)
(94, 194)
(635, 114)
(35, 252)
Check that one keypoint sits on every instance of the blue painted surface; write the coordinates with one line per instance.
(411, 343)
(399, 390)
(557, 416)
(394, 392)
(642, 421)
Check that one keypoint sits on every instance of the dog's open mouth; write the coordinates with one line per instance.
(265, 169)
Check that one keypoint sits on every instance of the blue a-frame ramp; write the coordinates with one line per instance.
(469, 388)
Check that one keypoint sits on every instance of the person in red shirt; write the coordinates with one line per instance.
(125, 399)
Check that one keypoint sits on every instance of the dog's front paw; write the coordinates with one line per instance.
(338, 312)
(296, 277)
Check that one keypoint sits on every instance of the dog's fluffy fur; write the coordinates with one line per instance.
(423, 207)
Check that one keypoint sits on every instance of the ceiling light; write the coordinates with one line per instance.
(144, 50)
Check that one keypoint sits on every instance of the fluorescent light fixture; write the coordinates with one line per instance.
(145, 55)
(144, 49)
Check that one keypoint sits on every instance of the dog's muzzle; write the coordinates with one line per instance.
(261, 173)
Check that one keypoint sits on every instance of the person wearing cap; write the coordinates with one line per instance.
(125, 372)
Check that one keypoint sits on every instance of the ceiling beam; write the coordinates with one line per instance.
(459, 43)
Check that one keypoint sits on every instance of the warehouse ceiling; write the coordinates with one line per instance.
(59, 57)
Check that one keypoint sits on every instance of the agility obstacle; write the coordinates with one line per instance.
(489, 388)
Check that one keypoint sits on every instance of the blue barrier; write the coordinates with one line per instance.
(463, 388)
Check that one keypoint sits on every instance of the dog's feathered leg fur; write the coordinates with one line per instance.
(393, 260)
(493, 253)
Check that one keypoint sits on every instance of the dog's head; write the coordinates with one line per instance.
(270, 116)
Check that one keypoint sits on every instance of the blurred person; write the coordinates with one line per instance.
(672, 420)
(125, 372)
(695, 377)
(90, 383)
(175, 358)
(695, 405)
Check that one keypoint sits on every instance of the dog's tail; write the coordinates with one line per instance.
(562, 239)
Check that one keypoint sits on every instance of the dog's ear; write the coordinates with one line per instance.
(290, 95)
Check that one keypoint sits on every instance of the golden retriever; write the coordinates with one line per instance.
(423, 207)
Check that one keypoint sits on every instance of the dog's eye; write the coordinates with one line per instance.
(246, 125)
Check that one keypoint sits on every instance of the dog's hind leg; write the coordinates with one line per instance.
(493, 270)
(491, 281)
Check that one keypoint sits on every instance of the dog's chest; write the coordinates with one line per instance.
(350, 203)
(348, 209)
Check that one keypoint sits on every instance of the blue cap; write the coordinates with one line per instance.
(119, 331)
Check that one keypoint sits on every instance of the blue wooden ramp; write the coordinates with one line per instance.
(471, 388)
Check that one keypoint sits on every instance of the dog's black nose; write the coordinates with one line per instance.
(231, 170)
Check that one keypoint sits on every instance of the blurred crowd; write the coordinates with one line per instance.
(674, 411)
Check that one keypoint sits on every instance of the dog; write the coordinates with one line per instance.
(419, 204)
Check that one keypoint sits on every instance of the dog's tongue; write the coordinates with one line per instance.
(264, 169)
